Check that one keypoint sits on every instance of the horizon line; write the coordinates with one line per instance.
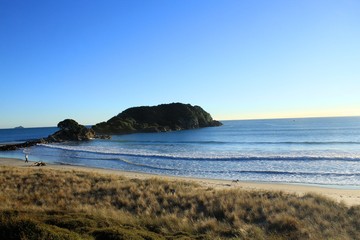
(275, 118)
(239, 119)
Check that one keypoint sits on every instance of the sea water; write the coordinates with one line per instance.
(321, 151)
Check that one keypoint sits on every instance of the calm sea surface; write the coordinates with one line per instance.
(324, 151)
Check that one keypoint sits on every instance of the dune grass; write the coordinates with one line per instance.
(40, 203)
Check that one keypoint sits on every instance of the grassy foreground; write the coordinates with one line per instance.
(40, 203)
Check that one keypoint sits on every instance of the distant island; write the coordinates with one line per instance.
(160, 118)
(19, 127)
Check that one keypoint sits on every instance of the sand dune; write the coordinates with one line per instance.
(348, 196)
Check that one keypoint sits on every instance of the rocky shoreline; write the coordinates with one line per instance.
(160, 118)
(70, 130)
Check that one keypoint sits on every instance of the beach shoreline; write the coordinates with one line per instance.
(350, 197)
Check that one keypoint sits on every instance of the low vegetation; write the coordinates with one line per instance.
(53, 204)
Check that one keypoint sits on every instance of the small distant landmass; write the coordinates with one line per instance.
(19, 127)
(160, 118)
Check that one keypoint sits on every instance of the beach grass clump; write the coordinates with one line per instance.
(57, 204)
(16, 225)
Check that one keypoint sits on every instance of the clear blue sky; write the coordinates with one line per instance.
(89, 60)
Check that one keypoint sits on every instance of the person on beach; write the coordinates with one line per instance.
(26, 158)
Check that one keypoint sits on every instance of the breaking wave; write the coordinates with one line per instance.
(218, 156)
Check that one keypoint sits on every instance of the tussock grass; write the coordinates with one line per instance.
(53, 204)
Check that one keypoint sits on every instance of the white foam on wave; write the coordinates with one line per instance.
(173, 153)
(210, 165)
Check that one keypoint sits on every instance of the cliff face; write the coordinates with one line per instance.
(161, 118)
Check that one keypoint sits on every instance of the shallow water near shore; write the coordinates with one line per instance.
(320, 151)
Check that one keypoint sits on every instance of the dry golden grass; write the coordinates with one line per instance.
(53, 204)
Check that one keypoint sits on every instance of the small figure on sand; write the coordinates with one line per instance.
(26, 158)
(39, 164)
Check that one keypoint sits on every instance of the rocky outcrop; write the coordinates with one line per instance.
(70, 130)
(161, 118)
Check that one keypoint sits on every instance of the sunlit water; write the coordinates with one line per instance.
(322, 151)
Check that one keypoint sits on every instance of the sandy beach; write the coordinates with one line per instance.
(347, 196)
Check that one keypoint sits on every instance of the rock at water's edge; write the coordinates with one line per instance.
(70, 130)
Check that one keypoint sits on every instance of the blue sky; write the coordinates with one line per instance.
(89, 60)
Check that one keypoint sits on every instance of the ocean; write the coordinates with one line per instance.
(316, 151)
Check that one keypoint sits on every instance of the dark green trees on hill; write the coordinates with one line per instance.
(161, 118)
